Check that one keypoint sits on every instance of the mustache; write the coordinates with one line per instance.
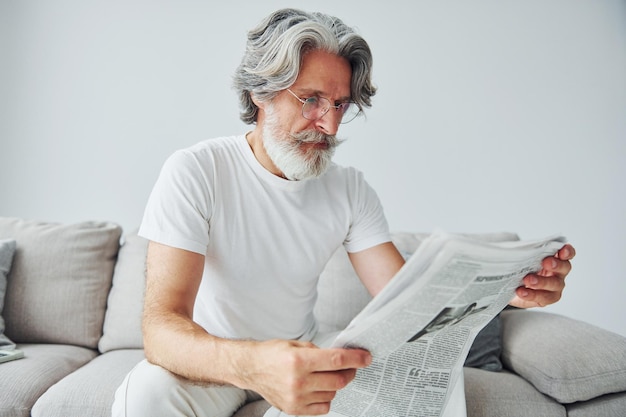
(313, 136)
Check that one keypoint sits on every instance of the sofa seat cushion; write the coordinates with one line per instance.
(548, 350)
(59, 281)
(606, 405)
(505, 394)
(90, 390)
(23, 381)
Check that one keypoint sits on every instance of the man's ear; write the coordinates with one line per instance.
(260, 104)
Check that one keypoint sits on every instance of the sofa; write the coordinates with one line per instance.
(71, 300)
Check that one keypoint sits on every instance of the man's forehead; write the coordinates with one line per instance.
(310, 92)
(324, 74)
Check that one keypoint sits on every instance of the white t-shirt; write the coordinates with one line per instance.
(265, 239)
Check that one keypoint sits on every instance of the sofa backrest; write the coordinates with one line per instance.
(59, 280)
(75, 284)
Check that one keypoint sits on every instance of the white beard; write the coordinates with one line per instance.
(290, 157)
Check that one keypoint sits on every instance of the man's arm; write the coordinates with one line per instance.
(377, 265)
(297, 377)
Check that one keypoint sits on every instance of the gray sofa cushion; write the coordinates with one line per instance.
(90, 390)
(606, 405)
(122, 323)
(536, 347)
(59, 282)
(7, 249)
(28, 378)
(503, 394)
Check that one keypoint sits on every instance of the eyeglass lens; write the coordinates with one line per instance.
(315, 108)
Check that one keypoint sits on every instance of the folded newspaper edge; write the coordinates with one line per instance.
(420, 327)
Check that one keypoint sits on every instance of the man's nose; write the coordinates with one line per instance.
(329, 122)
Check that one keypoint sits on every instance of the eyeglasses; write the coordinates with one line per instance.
(314, 108)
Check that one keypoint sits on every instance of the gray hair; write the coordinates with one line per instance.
(274, 54)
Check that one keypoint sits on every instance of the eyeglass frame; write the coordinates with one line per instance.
(330, 105)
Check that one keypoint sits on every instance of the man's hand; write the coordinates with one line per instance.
(546, 286)
(300, 378)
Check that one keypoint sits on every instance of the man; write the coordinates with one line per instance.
(241, 227)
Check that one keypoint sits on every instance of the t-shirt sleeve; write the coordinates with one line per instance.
(179, 208)
(369, 226)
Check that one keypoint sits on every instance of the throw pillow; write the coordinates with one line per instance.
(59, 281)
(7, 249)
(567, 359)
(122, 323)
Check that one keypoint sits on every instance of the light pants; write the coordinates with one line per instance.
(151, 391)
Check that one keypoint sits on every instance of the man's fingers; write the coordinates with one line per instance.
(313, 409)
(552, 266)
(331, 380)
(527, 298)
(318, 390)
(545, 283)
(338, 359)
(566, 253)
(302, 379)
(546, 286)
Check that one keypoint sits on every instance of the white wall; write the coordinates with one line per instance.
(491, 115)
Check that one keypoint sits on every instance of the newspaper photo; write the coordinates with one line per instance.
(420, 327)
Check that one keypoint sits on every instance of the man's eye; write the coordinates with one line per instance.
(312, 100)
(343, 107)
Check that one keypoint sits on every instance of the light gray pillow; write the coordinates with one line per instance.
(567, 359)
(122, 323)
(7, 249)
(59, 282)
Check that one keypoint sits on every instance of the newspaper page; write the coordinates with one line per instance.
(420, 327)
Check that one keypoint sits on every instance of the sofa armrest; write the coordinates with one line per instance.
(564, 358)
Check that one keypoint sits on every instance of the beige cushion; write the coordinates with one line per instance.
(122, 323)
(59, 282)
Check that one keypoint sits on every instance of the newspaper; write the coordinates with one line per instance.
(420, 327)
